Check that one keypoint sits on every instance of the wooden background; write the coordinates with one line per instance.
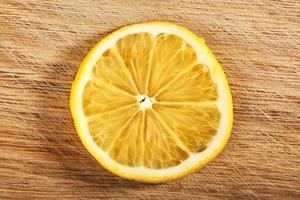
(42, 44)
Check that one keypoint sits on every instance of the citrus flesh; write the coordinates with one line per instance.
(151, 103)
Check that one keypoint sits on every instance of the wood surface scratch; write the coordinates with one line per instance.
(42, 44)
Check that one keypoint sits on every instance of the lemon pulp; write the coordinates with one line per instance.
(150, 102)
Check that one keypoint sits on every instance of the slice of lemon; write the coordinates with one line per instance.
(151, 103)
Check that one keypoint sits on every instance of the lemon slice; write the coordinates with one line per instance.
(151, 103)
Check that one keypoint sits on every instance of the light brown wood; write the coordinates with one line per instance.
(42, 44)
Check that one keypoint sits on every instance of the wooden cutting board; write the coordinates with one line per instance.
(42, 44)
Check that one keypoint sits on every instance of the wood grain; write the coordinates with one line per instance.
(42, 44)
